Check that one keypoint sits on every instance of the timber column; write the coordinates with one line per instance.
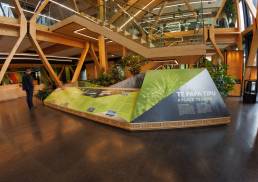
(101, 39)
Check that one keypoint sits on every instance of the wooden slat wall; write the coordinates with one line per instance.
(234, 60)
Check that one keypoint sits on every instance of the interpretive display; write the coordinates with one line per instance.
(98, 101)
(192, 96)
(166, 99)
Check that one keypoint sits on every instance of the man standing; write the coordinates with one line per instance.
(27, 85)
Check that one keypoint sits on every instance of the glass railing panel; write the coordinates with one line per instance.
(179, 28)
(7, 9)
(89, 8)
(55, 11)
(28, 8)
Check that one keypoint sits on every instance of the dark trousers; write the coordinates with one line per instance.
(29, 94)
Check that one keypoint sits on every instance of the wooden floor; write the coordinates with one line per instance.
(46, 145)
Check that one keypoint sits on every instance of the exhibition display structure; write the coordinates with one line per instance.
(162, 99)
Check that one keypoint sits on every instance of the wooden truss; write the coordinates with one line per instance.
(35, 35)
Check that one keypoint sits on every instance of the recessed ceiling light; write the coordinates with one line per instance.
(82, 34)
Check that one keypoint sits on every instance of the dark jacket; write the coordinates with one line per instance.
(27, 82)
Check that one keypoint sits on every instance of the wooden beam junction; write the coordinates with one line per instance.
(80, 63)
(32, 36)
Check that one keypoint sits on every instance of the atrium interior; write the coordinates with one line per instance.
(128, 90)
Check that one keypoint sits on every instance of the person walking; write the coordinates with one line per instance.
(27, 85)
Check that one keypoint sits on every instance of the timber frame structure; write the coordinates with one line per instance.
(188, 54)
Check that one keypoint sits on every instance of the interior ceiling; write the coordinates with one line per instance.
(210, 8)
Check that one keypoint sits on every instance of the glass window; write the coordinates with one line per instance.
(242, 25)
(1, 10)
(6, 10)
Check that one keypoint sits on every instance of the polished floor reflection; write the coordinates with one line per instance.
(46, 145)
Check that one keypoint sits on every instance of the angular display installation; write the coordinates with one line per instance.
(166, 99)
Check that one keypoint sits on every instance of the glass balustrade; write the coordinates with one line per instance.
(7, 9)
(55, 11)
(148, 25)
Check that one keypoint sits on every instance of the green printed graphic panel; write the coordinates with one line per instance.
(159, 84)
(74, 98)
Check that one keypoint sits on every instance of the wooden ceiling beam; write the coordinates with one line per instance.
(9, 21)
(55, 48)
(9, 31)
(9, 27)
(58, 38)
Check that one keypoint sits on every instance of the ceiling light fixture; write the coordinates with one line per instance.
(82, 34)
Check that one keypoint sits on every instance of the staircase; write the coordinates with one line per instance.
(167, 65)
(132, 42)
